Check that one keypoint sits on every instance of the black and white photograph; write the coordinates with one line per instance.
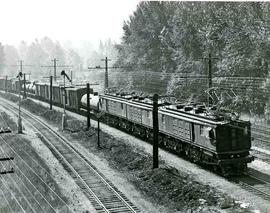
(134, 106)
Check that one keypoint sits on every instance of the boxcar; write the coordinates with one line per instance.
(74, 96)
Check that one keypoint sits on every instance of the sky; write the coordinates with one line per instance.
(63, 20)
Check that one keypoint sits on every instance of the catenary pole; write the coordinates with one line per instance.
(155, 131)
(88, 105)
(51, 91)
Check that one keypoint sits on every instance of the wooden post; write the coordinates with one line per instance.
(6, 171)
(88, 105)
(6, 83)
(155, 131)
(24, 87)
(98, 126)
(51, 91)
(210, 101)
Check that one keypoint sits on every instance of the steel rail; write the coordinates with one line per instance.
(256, 190)
(118, 199)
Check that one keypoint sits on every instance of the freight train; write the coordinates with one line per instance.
(199, 133)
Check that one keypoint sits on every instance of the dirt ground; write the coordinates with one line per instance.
(169, 189)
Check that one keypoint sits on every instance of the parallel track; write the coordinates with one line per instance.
(256, 183)
(261, 133)
(100, 191)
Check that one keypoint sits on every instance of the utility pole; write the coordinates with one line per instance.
(6, 84)
(106, 79)
(106, 72)
(24, 80)
(64, 120)
(24, 87)
(88, 91)
(51, 91)
(55, 67)
(155, 131)
(98, 115)
(19, 118)
(88, 105)
(210, 100)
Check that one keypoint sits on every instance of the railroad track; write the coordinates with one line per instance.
(261, 133)
(99, 190)
(256, 183)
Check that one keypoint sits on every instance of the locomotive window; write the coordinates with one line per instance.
(211, 134)
(122, 106)
(201, 130)
(148, 114)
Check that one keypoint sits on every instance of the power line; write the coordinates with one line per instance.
(106, 80)
(55, 67)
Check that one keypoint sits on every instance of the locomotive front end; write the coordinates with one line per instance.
(233, 146)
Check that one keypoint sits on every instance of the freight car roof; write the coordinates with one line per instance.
(76, 88)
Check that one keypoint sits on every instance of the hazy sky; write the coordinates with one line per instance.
(74, 20)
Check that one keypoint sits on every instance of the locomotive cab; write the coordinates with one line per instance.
(234, 143)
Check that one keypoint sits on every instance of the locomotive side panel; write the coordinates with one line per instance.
(147, 117)
(114, 107)
(134, 113)
(176, 127)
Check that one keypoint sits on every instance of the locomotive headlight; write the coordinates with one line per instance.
(232, 156)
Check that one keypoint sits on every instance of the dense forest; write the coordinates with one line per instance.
(166, 44)
(165, 49)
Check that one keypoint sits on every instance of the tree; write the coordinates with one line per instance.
(73, 58)
(2, 58)
(59, 53)
(36, 56)
(143, 46)
(22, 49)
(11, 58)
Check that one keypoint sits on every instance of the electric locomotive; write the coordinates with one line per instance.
(202, 135)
